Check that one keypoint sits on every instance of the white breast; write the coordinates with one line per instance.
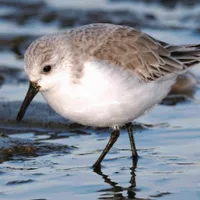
(106, 96)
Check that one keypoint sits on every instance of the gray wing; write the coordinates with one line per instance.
(138, 52)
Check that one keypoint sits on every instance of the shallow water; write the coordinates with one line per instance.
(167, 138)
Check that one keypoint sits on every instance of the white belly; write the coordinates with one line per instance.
(106, 96)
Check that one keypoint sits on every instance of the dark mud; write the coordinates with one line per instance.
(11, 148)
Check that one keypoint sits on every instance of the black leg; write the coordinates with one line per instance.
(131, 138)
(113, 138)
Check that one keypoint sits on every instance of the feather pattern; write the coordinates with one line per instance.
(138, 52)
(130, 49)
(126, 47)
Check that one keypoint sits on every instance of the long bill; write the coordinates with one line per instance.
(32, 91)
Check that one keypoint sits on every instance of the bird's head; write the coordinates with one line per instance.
(45, 64)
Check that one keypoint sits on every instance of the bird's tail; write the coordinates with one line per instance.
(189, 55)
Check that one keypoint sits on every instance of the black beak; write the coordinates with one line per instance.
(32, 91)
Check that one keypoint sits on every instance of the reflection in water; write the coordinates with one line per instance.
(116, 189)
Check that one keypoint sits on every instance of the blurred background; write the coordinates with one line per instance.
(47, 157)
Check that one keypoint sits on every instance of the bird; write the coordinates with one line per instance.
(104, 75)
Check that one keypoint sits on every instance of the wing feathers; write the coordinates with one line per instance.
(150, 59)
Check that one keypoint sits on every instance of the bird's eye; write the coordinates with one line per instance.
(47, 68)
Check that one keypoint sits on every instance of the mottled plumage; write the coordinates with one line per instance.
(104, 75)
(122, 46)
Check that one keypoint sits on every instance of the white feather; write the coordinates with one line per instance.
(106, 95)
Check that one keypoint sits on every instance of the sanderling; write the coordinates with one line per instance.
(104, 75)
